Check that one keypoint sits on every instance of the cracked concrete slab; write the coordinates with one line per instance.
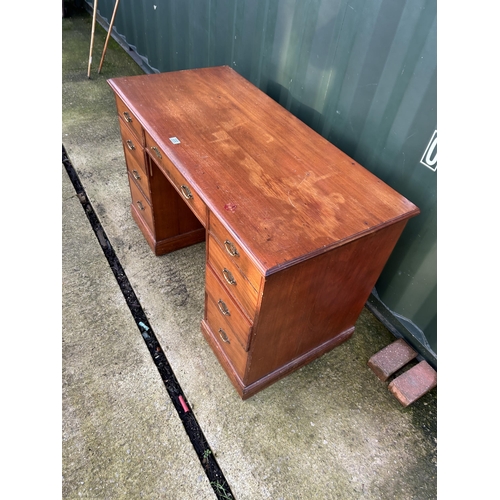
(121, 435)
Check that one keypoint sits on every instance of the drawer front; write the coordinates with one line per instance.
(184, 188)
(131, 145)
(233, 249)
(138, 173)
(227, 308)
(141, 203)
(225, 337)
(129, 118)
(234, 281)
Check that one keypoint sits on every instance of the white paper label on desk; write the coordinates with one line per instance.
(174, 140)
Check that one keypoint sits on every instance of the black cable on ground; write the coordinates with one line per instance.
(193, 430)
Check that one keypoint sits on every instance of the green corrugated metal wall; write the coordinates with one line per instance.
(360, 72)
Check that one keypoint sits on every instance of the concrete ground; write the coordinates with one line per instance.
(331, 430)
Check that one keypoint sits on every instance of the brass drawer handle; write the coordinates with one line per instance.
(231, 249)
(186, 192)
(228, 276)
(130, 145)
(127, 117)
(140, 205)
(223, 308)
(136, 175)
(223, 336)
(156, 152)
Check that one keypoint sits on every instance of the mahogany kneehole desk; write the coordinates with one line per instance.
(297, 233)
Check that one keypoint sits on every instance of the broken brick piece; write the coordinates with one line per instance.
(391, 358)
(414, 383)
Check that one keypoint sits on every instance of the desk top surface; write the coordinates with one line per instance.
(283, 190)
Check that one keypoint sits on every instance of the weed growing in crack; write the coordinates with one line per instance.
(221, 491)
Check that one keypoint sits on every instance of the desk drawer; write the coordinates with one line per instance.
(227, 308)
(189, 195)
(225, 338)
(233, 280)
(131, 121)
(139, 174)
(140, 202)
(234, 252)
(131, 144)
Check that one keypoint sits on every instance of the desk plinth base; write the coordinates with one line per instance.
(246, 391)
(167, 245)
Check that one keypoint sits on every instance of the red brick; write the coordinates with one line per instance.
(414, 383)
(391, 358)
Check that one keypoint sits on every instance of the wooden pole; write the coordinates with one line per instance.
(92, 36)
(109, 34)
